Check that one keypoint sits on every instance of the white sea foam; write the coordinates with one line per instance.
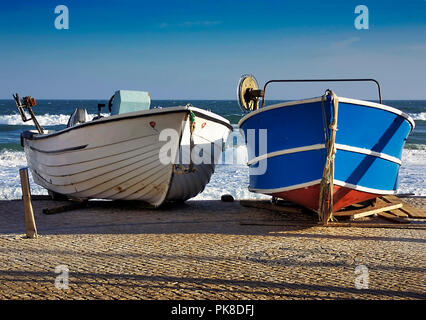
(10, 163)
(236, 156)
(412, 174)
(418, 116)
(43, 119)
(229, 179)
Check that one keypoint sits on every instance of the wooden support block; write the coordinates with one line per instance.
(412, 212)
(30, 226)
(390, 198)
(399, 213)
(266, 204)
(391, 217)
(381, 206)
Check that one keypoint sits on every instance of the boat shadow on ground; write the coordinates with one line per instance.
(133, 217)
(191, 217)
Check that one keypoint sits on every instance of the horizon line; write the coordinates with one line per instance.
(198, 99)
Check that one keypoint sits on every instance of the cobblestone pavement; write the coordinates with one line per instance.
(203, 250)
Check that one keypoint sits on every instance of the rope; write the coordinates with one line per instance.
(180, 169)
(325, 208)
(191, 139)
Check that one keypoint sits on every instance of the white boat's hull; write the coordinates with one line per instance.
(122, 157)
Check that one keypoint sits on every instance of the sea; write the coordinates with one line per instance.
(229, 178)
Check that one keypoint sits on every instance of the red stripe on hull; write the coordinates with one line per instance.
(309, 196)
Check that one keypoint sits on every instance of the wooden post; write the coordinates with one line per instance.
(30, 226)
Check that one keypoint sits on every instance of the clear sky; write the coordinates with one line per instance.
(197, 49)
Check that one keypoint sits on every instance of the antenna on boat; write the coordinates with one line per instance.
(28, 103)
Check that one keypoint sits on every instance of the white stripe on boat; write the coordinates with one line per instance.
(286, 151)
(368, 152)
(322, 146)
(289, 188)
(318, 181)
(361, 188)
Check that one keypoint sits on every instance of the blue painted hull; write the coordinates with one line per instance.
(369, 141)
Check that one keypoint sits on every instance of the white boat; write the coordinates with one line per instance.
(129, 156)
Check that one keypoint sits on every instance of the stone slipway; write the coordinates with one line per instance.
(204, 250)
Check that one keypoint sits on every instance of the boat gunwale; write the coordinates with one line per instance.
(341, 99)
(134, 115)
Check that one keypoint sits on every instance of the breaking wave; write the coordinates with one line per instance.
(418, 116)
(43, 119)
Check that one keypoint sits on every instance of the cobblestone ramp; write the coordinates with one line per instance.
(203, 250)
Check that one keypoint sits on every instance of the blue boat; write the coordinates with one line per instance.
(324, 153)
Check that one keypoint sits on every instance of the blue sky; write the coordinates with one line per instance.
(197, 49)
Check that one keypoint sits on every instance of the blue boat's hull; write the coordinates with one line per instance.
(369, 142)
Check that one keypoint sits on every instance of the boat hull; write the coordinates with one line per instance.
(120, 157)
(309, 196)
(369, 142)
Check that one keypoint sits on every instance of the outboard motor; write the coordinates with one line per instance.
(79, 115)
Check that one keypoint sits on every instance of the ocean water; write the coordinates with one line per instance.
(228, 178)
